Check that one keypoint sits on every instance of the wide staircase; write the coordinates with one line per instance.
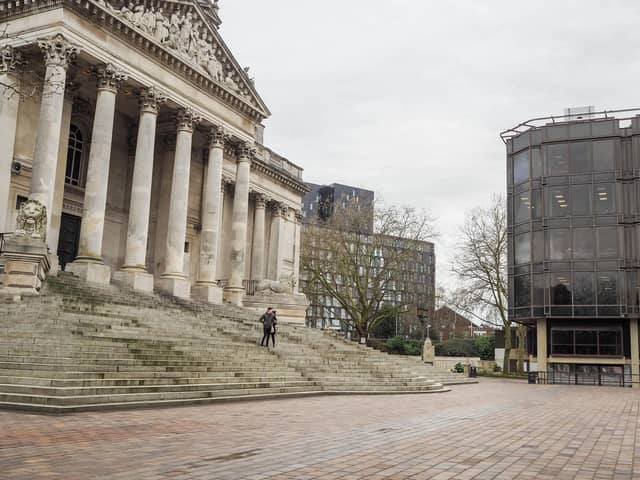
(87, 347)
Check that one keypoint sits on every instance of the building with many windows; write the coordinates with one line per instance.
(414, 288)
(573, 225)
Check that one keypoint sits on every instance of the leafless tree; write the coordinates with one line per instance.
(480, 263)
(359, 256)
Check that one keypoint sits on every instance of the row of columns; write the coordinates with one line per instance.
(58, 53)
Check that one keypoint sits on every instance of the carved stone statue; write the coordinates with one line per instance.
(428, 352)
(269, 287)
(162, 27)
(32, 220)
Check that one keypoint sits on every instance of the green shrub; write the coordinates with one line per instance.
(457, 347)
(486, 346)
(400, 346)
(458, 368)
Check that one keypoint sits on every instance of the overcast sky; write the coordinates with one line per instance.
(407, 97)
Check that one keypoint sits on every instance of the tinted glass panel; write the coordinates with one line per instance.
(521, 167)
(538, 246)
(607, 288)
(560, 244)
(580, 157)
(558, 200)
(538, 290)
(522, 207)
(607, 242)
(583, 243)
(560, 289)
(522, 287)
(604, 155)
(536, 163)
(581, 199)
(522, 248)
(583, 291)
(557, 159)
(604, 198)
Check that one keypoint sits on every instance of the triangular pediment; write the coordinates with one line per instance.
(188, 29)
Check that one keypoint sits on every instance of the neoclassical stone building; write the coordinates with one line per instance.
(133, 124)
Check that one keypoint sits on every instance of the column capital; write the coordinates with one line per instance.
(151, 99)
(299, 216)
(217, 137)
(227, 183)
(246, 151)
(260, 199)
(186, 118)
(10, 59)
(278, 209)
(58, 51)
(109, 77)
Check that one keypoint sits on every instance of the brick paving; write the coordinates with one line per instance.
(494, 430)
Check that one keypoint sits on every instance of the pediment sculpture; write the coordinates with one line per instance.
(181, 31)
(32, 220)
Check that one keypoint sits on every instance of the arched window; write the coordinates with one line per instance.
(74, 157)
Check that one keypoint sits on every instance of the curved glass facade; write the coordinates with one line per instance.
(572, 210)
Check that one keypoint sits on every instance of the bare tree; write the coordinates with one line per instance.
(359, 256)
(480, 264)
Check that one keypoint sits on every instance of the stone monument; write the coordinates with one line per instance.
(24, 254)
(428, 352)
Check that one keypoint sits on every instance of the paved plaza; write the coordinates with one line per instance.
(496, 429)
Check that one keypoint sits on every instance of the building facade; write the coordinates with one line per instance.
(573, 243)
(135, 127)
(448, 324)
(320, 201)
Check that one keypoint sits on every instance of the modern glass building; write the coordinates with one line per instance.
(574, 256)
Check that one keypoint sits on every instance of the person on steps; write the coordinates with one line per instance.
(274, 321)
(267, 320)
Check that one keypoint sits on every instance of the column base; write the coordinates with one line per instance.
(234, 295)
(177, 287)
(207, 293)
(26, 265)
(91, 272)
(135, 280)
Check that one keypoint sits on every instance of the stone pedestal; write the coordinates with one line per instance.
(135, 279)
(26, 263)
(207, 293)
(177, 287)
(91, 272)
(290, 307)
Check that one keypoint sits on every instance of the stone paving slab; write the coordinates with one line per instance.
(497, 429)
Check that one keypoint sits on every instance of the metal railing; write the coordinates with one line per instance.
(541, 121)
(601, 379)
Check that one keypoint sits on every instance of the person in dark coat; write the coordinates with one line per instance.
(274, 321)
(267, 321)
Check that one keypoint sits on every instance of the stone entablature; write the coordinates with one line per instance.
(230, 83)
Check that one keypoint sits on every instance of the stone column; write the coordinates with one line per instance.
(173, 280)
(58, 52)
(207, 288)
(134, 272)
(279, 211)
(89, 265)
(257, 254)
(297, 245)
(541, 340)
(9, 101)
(634, 335)
(234, 291)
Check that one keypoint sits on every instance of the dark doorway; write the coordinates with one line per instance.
(69, 238)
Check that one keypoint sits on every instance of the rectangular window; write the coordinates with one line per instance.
(561, 288)
(607, 242)
(584, 245)
(560, 244)
(521, 167)
(580, 157)
(557, 159)
(607, 288)
(583, 291)
(581, 199)
(558, 200)
(522, 207)
(522, 290)
(586, 341)
(536, 163)
(604, 199)
(522, 248)
(604, 155)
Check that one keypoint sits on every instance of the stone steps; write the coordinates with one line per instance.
(80, 346)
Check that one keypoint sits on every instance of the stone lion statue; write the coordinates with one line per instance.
(268, 287)
(32, 220)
